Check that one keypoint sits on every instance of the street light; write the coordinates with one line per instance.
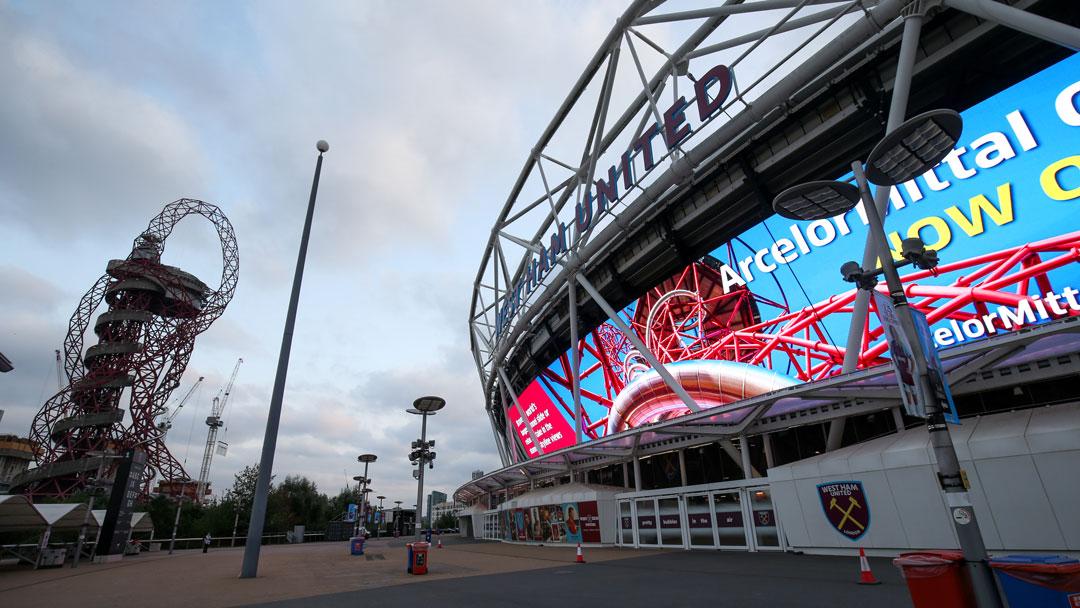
(421, 454)
(367, 459)
(378, 528)
(250, 566)
(910, 150)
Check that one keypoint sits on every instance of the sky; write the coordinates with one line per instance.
(111, 110)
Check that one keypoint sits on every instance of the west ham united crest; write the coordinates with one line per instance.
(846, 507)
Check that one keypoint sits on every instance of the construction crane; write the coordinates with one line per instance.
(214, 422)
(166, 417)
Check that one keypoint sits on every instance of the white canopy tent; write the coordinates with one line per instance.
(140, 522)
(64, 516)
(572, 492)
(18, 513)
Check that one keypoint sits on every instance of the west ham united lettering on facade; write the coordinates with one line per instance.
(710, 93)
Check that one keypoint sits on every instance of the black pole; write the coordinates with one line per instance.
(250, 565)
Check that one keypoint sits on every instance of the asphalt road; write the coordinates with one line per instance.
(669, 579)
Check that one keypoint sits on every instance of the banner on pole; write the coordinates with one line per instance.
(935, 373)
(903, 356)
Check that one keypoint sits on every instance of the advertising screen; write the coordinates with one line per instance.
(568, 522)
(769, 309)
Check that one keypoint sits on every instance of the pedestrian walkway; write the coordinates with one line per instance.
(462, 574)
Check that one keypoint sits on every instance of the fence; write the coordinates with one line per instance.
(25, 550)
(229, 541)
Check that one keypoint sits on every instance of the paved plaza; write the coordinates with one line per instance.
(461, 574)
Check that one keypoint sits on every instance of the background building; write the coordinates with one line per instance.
(16, 453)
(434, 498)
(446, 508)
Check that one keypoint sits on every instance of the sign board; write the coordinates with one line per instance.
(126, 488)
(935, 373)
(903, 356)
(350, 513)
(846, 507)
(568, 522)
(548, 424)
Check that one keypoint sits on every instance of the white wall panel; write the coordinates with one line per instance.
(1019, 504)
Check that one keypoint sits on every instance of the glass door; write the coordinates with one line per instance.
(730, 526)
(671, 529)
(763, 517)
(646, 522)
(699, 522)
(626, 524)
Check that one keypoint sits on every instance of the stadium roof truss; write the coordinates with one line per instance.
(595, 175)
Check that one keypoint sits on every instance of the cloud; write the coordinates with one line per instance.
(322, 431)
(27, 337)
(430, 109)
(75, 141)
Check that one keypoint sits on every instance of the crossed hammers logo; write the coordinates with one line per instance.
(852, 504)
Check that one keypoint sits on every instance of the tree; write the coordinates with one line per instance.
(243, 489)
(445, 521)
(296, 501)
(339, 504)
(238, 498)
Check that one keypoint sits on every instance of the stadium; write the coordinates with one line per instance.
(667, 363)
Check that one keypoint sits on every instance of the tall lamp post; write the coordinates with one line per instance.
(176, 520)
(359, 479)
(367, 459)
(911, 149)
(367, 501)
(378, 528)
(422, 454)
(253, 545)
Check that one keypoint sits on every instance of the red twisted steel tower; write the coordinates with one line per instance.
(145, 340)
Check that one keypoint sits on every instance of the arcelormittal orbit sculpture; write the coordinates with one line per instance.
(144, 342)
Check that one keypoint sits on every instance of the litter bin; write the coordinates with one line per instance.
(356, 545)
(1038, 581)
(418, 557)
(936, 579)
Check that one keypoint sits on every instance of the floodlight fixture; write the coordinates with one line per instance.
(914, 147)
(429, 405)
(816, 200)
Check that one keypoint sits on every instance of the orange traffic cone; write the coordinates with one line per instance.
(439, 546)
(866, 577)
(580, 557)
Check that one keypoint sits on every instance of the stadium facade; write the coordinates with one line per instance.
(666, 363)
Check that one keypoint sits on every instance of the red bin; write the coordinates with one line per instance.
(936, 579)
(419, 554)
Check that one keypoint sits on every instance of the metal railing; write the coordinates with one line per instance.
(28, 550)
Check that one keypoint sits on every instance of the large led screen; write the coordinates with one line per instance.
(769, 309)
